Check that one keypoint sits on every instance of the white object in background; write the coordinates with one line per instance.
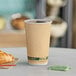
(57, 3)
(54, 11)
(17, 15)
(58, 28)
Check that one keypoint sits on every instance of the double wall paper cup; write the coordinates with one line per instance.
(38, 33)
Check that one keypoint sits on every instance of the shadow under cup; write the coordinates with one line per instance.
(38, 33)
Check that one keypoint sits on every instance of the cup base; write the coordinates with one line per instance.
(37, 64)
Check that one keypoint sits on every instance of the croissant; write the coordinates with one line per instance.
(6, 58)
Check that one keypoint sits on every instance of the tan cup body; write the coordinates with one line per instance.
(38, 38)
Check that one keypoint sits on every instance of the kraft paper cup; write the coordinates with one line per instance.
(38, 33)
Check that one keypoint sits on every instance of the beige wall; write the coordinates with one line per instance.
(74, 23)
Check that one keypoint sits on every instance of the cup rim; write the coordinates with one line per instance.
(30, 21)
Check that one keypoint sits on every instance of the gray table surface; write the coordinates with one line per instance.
(57, 56)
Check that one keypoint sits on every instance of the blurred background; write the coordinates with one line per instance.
(14, 12)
